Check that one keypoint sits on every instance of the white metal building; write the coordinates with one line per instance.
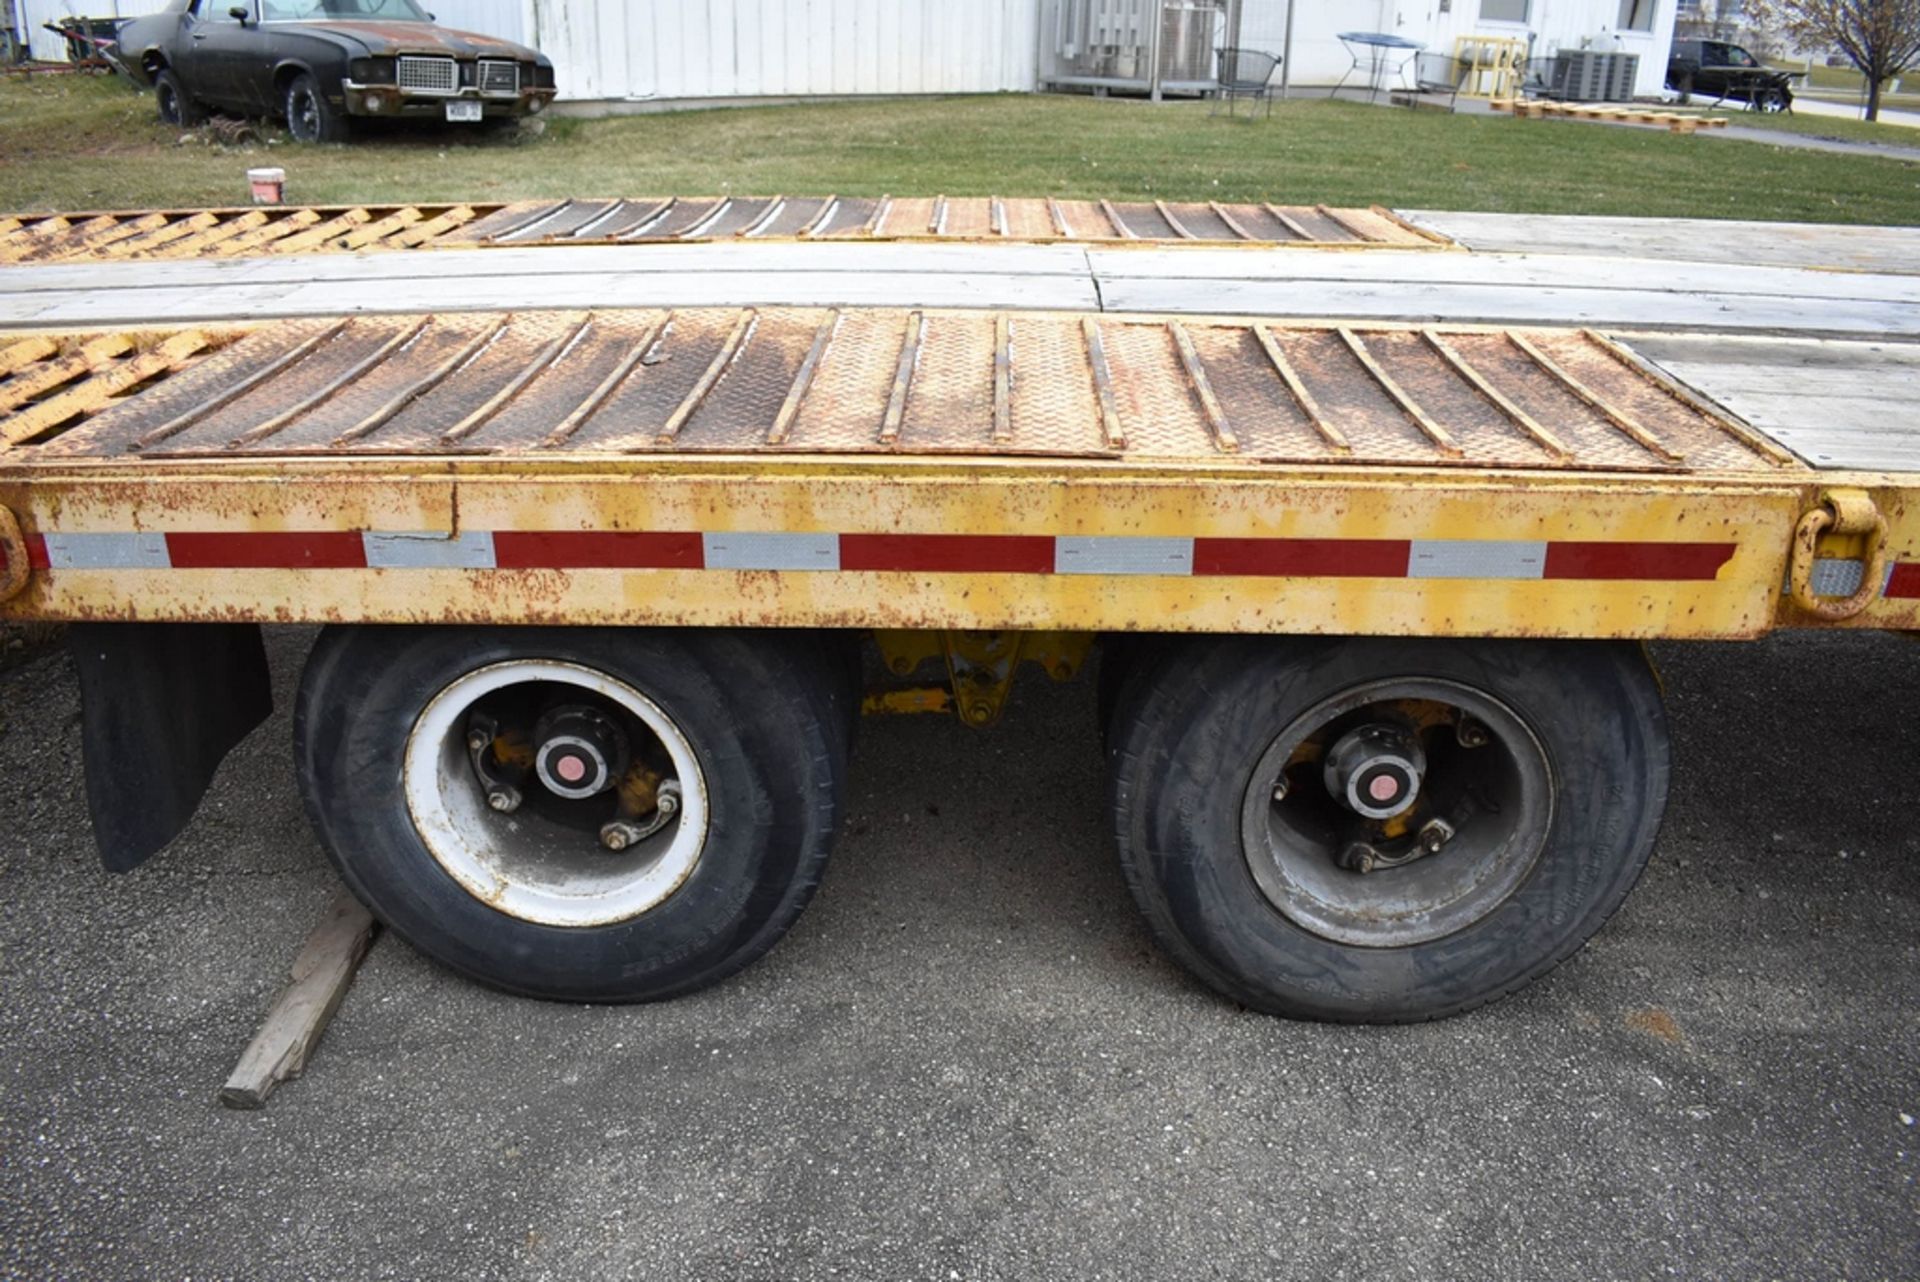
(639, 52)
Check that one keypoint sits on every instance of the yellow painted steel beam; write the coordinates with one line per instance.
(448, 501)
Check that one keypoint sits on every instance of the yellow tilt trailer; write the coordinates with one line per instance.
(1365, 594)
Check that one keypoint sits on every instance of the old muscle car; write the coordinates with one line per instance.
(320, 64)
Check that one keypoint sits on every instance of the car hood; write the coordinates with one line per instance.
(385, 38)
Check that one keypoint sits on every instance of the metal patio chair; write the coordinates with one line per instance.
(1437, 75)
(1244, 73)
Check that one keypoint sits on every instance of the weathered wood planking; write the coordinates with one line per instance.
(1839, 405)
(1700, 240)
(321, 976)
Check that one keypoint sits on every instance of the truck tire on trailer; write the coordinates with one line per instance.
(1545, 762)
(747, 730)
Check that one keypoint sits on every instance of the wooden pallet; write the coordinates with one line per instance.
(1672, 121)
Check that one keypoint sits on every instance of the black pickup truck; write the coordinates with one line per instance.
(1722, 71)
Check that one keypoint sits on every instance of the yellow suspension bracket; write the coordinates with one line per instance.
(980, 668)
(1842, 514)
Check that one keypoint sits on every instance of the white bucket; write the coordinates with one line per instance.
(269, 185)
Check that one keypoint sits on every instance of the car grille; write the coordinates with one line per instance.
(499, 77)
(429, 75)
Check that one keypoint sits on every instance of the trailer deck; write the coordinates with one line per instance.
(827, 433)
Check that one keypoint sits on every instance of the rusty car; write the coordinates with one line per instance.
(322, 65)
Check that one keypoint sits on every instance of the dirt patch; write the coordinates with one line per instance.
(1655, 1021)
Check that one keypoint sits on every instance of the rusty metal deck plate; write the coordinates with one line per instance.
(227, 233)
(877, 383)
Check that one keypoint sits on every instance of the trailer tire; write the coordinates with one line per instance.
(758, 720)
(1224, 856)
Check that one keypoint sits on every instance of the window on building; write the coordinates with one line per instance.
(1636, 15)
(1504, 10)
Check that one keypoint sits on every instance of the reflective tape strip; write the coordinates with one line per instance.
(597, 550)
(949, 553)
(107, 552)
(1903, 581)
(1840, 576)
(472, 550)
(1303, 558)
(1122, 555)
(1477, 559)
(1666, 561)
(1117, 555)
(759, 551)
(273, 550)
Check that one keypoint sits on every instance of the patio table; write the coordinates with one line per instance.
(1378, 49)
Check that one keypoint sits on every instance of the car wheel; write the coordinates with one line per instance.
(177, 107)
(310, 117)
(1383, 830)
(1773, 100)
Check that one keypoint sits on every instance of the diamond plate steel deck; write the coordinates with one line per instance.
(874, 382)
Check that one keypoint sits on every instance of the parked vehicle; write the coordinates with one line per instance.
(1723, 71)
(320, 64)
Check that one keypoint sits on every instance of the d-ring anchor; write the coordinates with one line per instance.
(1848, 512)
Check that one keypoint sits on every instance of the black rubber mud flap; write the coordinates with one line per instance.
(161, 706)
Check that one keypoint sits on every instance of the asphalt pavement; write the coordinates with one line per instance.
(968, 1060)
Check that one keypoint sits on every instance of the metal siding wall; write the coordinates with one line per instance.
(605, 49)
(503, 18)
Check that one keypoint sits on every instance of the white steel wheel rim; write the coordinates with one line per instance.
(487, 853)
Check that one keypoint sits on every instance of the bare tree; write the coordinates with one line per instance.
(1880, 37)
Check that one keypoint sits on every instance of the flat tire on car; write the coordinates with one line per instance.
(459, 781)
(175, 104)
(310, 117)
(1241, 770)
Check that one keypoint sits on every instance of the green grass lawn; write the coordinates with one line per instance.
(1800, 122)
(79, 143)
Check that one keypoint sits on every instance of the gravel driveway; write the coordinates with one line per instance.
(968, 1060)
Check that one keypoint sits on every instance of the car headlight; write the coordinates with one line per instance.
(373, 71)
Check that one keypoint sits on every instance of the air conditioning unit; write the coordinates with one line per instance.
(1584, 75)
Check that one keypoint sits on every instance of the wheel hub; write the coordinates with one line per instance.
(582, 751)
(555, 793)
(1376, 770)
(1433, 806)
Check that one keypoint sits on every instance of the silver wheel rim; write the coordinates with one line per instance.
(1292, 845)
(303, 122)
(520, 864)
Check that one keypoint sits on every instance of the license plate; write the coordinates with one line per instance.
(465, 111)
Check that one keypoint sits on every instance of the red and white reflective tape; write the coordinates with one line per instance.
(1291, 558)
